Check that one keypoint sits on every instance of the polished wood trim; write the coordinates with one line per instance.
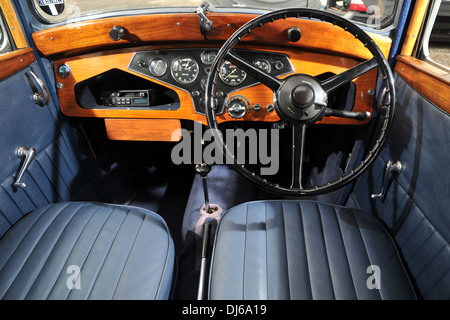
(416, 22)
(14, 61)
(432, 82)
(143, 129)
(93, 35)
(312, 63)
(13, 24)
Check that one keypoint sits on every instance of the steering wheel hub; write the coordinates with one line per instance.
(301, 99)
(302, 96)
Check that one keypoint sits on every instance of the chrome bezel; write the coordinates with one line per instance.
(265, 62)
(153, 72)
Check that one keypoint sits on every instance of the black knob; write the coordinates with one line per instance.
(202, 169)
(117, 33)
(294, 34)
(302, 96)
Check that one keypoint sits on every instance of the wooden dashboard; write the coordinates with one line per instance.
(88, 51)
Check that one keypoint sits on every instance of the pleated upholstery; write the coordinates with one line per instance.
(121, 252)
(304, 250)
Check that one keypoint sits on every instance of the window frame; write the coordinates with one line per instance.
(21, 55)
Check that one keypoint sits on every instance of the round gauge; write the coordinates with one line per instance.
(208, 56)
(262, 64)
(157, 67)
(231, 74)
(184, 70)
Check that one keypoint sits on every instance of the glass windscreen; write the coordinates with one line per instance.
(372, 13)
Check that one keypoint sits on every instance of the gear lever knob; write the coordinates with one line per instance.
(203, 169)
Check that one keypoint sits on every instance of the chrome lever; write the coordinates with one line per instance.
(26, 155)
(41, 96)
(389, 169)
(205, 23)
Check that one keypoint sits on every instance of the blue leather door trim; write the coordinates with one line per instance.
(417, 201)
(55, 173)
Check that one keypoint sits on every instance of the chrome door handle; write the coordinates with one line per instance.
(389, 169)
(27, 156)
(41, 96)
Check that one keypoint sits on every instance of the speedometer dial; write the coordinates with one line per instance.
(184, 70)
(231, 74)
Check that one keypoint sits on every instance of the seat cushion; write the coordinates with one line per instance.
(87, 251)
(304, 250)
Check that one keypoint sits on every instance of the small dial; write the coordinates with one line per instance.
(262, 64)
(157, 67)
(184, 70)
(231, 74)
(208, 56)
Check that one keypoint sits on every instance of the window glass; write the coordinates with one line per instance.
(437, 35)
(5, 43)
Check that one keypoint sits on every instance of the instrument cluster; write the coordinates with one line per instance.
(188, 69)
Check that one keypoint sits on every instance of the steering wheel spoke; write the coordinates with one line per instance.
(263, 77)
(338, 80)
(298, 149)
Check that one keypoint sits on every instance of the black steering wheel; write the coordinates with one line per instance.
(301, 100)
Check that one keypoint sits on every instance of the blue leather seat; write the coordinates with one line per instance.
(87, 251)
(304, 250)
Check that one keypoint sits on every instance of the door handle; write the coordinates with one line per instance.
(27, 156)
(41, 96)
(389, 169)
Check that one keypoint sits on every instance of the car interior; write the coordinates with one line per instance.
(224, 150)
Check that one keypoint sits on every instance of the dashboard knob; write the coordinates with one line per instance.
(294, 34)
(237, 107)
(117, 33)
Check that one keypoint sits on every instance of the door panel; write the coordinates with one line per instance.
(55, 174)
(417, 200)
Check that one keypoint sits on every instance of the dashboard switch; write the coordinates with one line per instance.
(237, 106)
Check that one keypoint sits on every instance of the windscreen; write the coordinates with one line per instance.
(371, 13)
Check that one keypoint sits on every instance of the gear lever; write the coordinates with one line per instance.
(203, 169)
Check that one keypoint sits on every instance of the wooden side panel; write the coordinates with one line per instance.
(12, 62)
(143, 129)
(432, 82)
(184, 28)
(412, 34)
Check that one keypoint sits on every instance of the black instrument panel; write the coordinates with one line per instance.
(188, 69)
